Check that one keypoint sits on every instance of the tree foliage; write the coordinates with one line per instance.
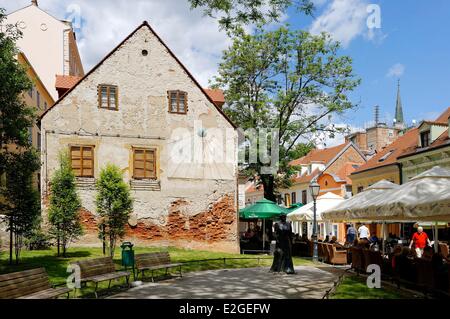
(19, 201)
(114, 205)
(235, 13)
(289, 80)
(63, 214)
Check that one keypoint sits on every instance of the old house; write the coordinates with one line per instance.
(142, 110)
(431, 148)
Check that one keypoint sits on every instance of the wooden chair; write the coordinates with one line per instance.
(336, 257)
(154, 261)
(356, 259)
(425, 274)
(29, 284)
(321, 252)
(443, 248)
(99, 270)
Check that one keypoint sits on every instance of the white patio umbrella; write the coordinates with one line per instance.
(350, 210)
(324, 202)
(425, 197)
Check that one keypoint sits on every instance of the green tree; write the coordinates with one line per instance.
(15, 148)
(234, 13)
(289, 80)
(114, 205)
(65, 204)
(22, 197)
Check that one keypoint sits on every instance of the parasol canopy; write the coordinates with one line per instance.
(323, 203)
(262, 209)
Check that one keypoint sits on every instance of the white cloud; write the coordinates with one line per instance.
(194, 38)
(396, 71)
(345, 20)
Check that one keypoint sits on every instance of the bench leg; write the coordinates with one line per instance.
(128, 281)
(152, 277)
(180, 272)
(95, 291)
(109, 284)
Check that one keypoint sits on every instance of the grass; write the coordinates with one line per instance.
(56, 267)
(354, 287)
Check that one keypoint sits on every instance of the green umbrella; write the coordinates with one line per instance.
(262, 209)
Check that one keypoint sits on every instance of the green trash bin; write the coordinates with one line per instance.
(127, 254)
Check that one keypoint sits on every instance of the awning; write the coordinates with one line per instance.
(348, 210)
(323, 203)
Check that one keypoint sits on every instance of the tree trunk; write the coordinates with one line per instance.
(58, 244)
(10, 240)
(103, 240)
(268, 182)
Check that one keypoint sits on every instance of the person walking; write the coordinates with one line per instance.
(363, 232)
(420, 240)
(351, 234)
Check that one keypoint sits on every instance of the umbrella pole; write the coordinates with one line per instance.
(436, 239)
(264, 231)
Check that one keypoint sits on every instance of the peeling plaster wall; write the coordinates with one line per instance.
(143, 120)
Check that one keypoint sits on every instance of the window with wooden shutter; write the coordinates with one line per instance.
(108, 97)
(177, 102)
(82, 160)
(144, 163)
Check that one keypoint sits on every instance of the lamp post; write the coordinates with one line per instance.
(314, 188)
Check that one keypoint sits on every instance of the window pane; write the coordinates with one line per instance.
(173, 102)
(112, 97)
(182, 108)
(104, 101)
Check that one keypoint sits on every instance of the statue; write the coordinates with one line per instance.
(282, 258)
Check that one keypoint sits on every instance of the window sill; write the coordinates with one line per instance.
(145, 184)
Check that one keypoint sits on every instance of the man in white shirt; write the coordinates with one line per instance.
(363, 232)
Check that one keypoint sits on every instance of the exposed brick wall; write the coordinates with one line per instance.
(209, 229)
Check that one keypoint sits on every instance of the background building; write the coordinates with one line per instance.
(49, 44)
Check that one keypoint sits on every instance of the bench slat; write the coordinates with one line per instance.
(109, 276)
(47, 294)
(20, 274)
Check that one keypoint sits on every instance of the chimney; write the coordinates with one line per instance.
(34, 2)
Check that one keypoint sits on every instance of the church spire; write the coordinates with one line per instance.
(399, 120)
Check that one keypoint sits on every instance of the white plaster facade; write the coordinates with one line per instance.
(142, 120)
(48, 43)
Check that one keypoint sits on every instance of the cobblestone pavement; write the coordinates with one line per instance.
(308, 283)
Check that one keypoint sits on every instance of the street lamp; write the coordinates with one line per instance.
(314, 188)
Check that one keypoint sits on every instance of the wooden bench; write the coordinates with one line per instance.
(99, 270)
(154, 261)
(29, 284)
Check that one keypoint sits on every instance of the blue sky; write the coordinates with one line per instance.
(414, 37)
(414, 34)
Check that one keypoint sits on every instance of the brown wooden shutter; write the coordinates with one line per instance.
(144, 163)
(82, 160)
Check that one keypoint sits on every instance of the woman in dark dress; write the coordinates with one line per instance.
(282, 259)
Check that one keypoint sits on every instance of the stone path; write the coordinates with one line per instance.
(307, 283)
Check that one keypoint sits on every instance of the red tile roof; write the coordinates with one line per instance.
(66, 81)
(443, 118)
(322, 156)
(216, 95)
(396, 148)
